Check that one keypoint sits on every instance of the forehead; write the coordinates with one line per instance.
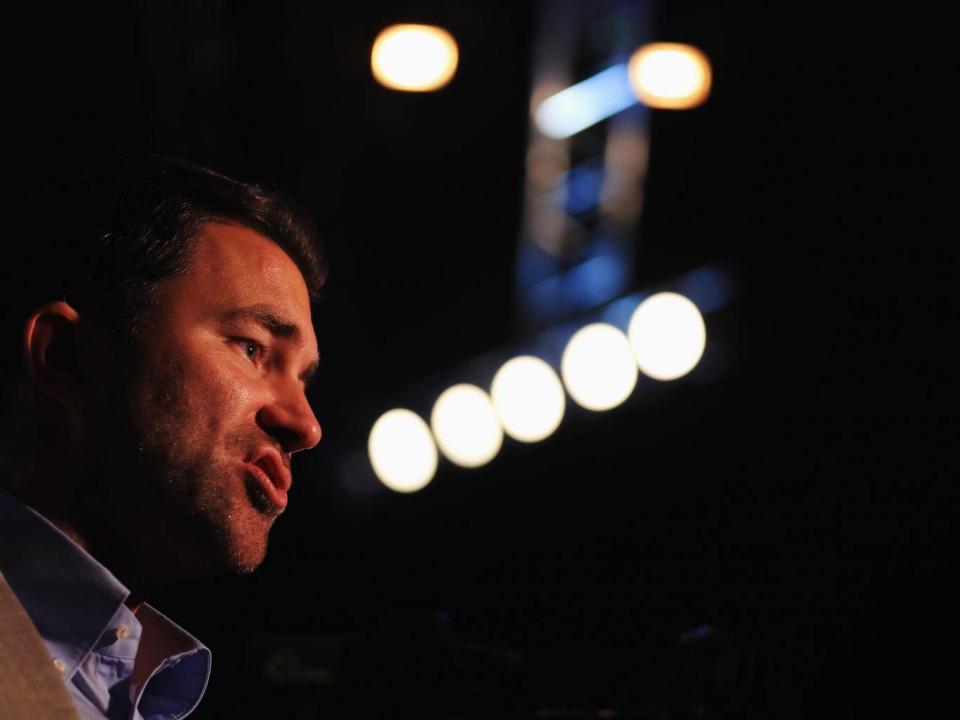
(239, 253)
(233, 266)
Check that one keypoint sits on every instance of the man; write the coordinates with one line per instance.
(166, 344)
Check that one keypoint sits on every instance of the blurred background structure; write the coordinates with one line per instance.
(766, 536)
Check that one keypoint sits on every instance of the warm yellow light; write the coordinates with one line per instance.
(670, 76)
(668, 336)
(598, 367)
(401, 451)
(528, 398)
(465, 426)
(415, 58)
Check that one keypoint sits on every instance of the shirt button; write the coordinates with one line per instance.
(60, 665)
(123, 632)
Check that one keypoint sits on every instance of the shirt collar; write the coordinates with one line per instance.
(70, 597)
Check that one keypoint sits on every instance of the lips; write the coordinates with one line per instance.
(269, 470)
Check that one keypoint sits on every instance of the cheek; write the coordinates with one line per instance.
(223, 396)
(239, 400)
(202, 400)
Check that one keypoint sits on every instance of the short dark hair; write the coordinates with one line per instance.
(108, 236)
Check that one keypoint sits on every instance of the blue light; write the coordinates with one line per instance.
(619, 312)
(586, 103)
(534, 265)
(583, 185)
(593, 282)
(596, 281)
(707, 287)
(545, 301)
(698, 633)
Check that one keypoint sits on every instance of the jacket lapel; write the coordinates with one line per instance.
(30, 686)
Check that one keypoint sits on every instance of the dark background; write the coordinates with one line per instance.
(802, 504)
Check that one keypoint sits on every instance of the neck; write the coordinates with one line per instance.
(45, 487)
(53, 491)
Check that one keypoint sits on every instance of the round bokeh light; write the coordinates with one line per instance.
(465, 426)
(528, 398)
(598, 367)
(670, 76)
(668, 336)
(414, 58)
(401, 451)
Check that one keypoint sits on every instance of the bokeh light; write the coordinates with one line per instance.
(528, 398)
(598, 367)
(414, 58)
(465, 426)
(401, 451)
(668, 336)
(670, 76)
(588, 102)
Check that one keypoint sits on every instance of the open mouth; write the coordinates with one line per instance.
(268, 480)
(263, 494)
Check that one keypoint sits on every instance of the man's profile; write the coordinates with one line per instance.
(166, 341)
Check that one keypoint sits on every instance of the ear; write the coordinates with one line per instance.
(51, 351)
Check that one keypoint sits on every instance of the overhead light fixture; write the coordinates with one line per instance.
(414, 58)
(670, 76)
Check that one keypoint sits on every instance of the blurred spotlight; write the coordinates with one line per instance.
(585, 104)
(598, 367)
(528, 398)
(414, 58)
(668, 336)
(670, 76)
(401, 451)
(465, 426)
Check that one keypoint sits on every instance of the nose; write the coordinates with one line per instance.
(290, 420)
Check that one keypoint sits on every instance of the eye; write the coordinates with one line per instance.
(251, 349)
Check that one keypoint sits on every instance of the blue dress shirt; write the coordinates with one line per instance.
(78, 608)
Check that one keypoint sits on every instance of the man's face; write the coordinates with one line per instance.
(195, 457)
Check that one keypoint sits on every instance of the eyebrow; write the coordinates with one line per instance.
(278, 326)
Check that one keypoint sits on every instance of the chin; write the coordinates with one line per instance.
(239, 539)
(244, 563)
(247, 547)
(241, 550)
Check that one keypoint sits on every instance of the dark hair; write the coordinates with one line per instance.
(107, 237)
